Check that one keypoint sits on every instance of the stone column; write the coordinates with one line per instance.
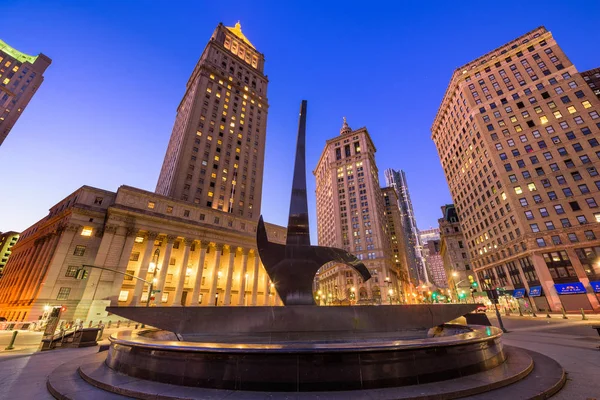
(255, 277)
(242, 290)
(130, 234)
(182, 271)
(136, 299)
(198, 274)
(583, 278)
(23, 279)
(227, 299)
(164, 269)
(214, 276)
(267, 288)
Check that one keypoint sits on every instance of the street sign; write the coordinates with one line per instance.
(156, 291)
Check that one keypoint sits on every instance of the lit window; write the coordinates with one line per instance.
(557, 114)
(139, 239)
(123, 295)
(531, 187)
(586, 104)
(151, 205)
(86, 231)
(503, 196)
(571, 110)
(210, 194)
(213, 175)
(5, 81)
(518, 190)
(543, 119)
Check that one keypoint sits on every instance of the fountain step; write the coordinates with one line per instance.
(524, 375)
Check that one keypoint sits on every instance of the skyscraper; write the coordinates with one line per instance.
(397, 180)
(20, 77)
(350, 215)
(215, 155)
(592, 78)
(518, 135)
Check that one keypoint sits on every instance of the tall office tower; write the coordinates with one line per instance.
(592, 78)
(20, 77)
(454, 252)
(216, 152)
(518, 135)
(435, 263)
(397, 180)
(397, 241)
(350, 215)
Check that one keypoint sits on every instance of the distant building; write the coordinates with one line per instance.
(215, 156)
(351, 215)
(592, 78)
(397, 180)
(430, 254)
(454, 252)
(20, 77)
(7, 241)
(435, 263)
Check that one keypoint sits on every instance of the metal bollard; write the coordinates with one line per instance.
(520, 312)
(109, 324)
(90, 325)
(136, 326)
(11, 345)
(128, 324)
(583, 317)
(118, 324)
(563, 312)
(548, 314)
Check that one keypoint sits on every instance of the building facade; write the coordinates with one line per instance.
(397, 180)
(350, 215)
(7, 241)
(397, 243)
(435, 264)
(454, 253)
(517, 135)
(215, 155)
(20, 77)
(592, 78)
(198, 256)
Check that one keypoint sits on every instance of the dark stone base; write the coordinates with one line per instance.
(307, 366)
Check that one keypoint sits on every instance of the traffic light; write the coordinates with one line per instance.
(81, 274)
(434, 295)
(472, 282)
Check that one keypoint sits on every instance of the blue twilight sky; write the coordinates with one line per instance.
(104, 114)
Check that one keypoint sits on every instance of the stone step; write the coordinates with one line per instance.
(97, 380)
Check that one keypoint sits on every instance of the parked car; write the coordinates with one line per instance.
(481, 308)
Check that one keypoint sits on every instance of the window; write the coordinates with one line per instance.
(528, 215)
(591, 202)
(549, 225)
(135, 256)
(151, 205)
(544, 212)
(98, 200)
(573, 237)
(541, 242)
(552, 196)
(71, 271)
(574, 206)
(559, 209)
(556, 240)
(523, 202)
(63, 293)
(87, 231)
(581, 219)
(534, 228)
(583, 189)
(589, 235)
(79, 251)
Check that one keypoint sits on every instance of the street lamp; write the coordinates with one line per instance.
(353, 293)
(488, 283)
(388, 281)
(154, 265)
(390, 292)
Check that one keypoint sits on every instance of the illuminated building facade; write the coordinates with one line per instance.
(454, 252)
(215, 155)
(20, 77)
(518, 136)
(592, 78)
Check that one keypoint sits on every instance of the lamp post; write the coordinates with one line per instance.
(154, 270)
(488, 283)
(319, 294)
(454, 275)
(353, 294)
(388, 281)
(336, 293)
(330, 296)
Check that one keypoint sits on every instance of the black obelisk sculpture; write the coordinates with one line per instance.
(292, 267)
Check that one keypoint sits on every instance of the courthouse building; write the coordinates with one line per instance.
(195, 238)
(518, 136)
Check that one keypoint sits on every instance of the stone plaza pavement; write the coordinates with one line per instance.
(571, 342)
